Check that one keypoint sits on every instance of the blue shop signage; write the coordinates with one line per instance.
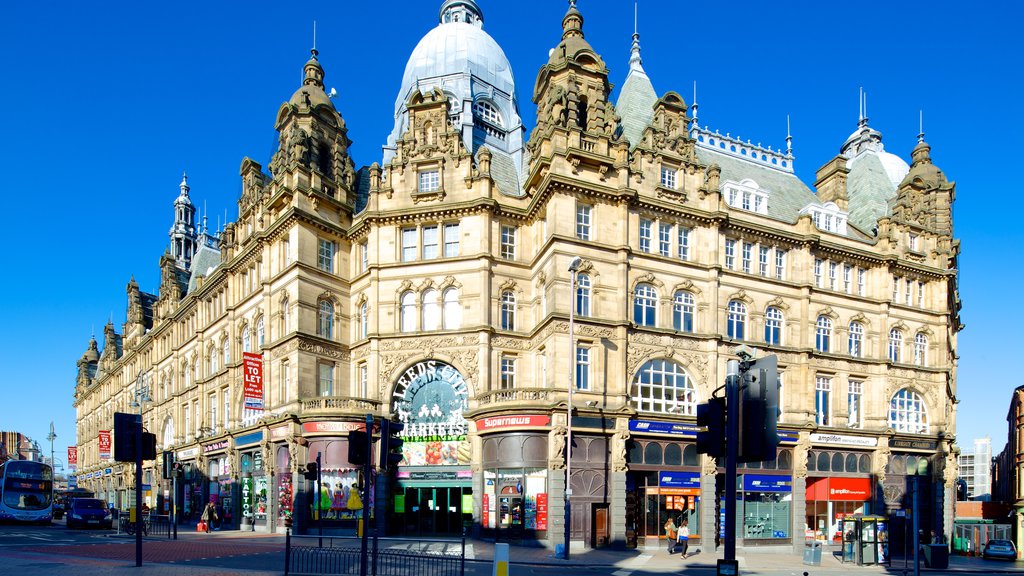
(767, 483)
(657, 427)
(679, 479)
(249, 439)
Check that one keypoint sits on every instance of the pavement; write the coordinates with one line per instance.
(193, 554)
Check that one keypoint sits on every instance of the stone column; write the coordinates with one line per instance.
(709, 502)
(799, 493)
(617, 486)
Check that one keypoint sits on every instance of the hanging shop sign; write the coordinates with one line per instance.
(430, 398)
(434, 475)
(542, 511)
(252, 380)
(104, 441)
(517, 421)
(485, 512)
(845, 440)
(187, 453)
(247, 496)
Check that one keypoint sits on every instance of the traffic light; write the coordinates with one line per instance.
(711, 417)
(168, 467)
(126, 426)
(759, 411)
(310, 473)
(357, 447)
(390, 444)
(148, 446)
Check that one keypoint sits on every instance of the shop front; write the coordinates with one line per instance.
(664, 481)
(339, 503)
(280, 490)
(250, 461)
(189, 495)
(219, 483)
(431, 492)
(831, 499)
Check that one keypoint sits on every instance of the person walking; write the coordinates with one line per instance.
(671, 534)
(684, 536)
(209, 515)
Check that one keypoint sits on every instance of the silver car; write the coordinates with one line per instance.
(1003, 549)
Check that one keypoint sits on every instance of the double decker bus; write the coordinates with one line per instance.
(26, 491)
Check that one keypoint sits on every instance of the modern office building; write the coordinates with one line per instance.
(975, 465)
(434, 287)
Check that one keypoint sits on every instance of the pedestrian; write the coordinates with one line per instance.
(209, 515)
(671, 534)
(684, 536)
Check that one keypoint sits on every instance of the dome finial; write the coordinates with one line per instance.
(313, 72)
(572, 23)
(862, 120)
(466, 11)
(920, 126)
(635, 63)
(789, 138)
(184, 184)
(693, 123)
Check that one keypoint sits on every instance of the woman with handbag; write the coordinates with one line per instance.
(670, 534)
(209, 516)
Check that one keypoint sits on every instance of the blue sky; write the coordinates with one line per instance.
(105, 107)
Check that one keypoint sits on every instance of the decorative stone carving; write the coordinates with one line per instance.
(619, 442)
(556, 439)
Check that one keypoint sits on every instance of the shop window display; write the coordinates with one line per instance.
(515, 498)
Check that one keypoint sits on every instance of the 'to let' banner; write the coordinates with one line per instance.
(252, 383)
(104, 444)
(72, 456)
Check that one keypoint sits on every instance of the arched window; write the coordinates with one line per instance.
(773, 324)
(907, 413)
(452, 312)
(508, 310)
(260, 333)
(895, 345)
(583, 294)
(921, 349)
(431, 310)
(186, 377)
(823, 334)
(663, 386)
(486, 111)
(168, 432)
(645, 303)
(737, 321)
(856, 339)
(408, 312)
(363, 320)
(682, 311)
(195, 369)
(214, 365)
(325, 324)
(246, 340)
(227, 351)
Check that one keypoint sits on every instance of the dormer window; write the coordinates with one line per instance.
(827, 217)
(430, 181)
(483, 110)
(668, 177)
(746, 195)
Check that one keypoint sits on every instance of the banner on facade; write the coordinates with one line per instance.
(843, 439)
(252, 381)
(72, 457)
(542, 511)
(104, 444)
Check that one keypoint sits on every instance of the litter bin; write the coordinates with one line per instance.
(812, 552)
(935, 556)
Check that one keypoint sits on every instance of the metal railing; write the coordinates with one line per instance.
(152, 525)
(308, 555)
(538, 395)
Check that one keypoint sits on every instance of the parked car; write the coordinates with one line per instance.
(88, 513)
(1003, 549)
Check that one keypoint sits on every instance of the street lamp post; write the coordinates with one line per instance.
(51, 437)
(141, 395)
(574, 267)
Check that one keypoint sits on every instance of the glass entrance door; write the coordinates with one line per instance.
(434, 510)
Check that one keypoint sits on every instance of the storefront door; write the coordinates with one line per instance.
(433, 510)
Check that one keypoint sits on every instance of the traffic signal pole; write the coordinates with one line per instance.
(732, 423)
(138, 488)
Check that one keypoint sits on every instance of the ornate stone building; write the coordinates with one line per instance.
(434, 288)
